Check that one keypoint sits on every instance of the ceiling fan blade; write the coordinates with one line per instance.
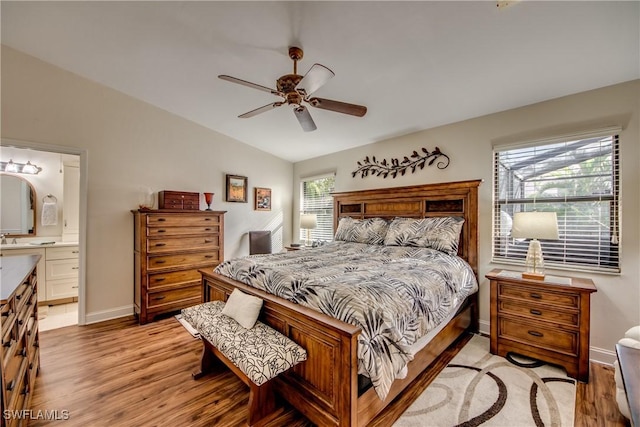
(339, 107)
(260, 110)
(317, 76)
(305, 119)
(249, 84)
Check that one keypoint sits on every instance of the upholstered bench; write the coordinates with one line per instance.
(256, 355)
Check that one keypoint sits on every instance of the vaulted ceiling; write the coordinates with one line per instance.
(415, 65)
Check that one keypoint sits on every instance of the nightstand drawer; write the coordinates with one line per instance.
(536, 295)
(539, 312)
(533, 333)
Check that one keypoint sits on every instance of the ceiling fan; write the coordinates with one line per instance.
(296, 89)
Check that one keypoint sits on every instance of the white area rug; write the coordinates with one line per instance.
(478, 388)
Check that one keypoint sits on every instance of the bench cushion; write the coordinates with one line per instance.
(260, 353)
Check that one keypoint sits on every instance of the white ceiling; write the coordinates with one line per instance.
(415, 65)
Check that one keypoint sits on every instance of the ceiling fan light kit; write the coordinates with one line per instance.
(296, 90)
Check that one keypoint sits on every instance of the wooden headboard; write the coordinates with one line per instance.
(418, 201)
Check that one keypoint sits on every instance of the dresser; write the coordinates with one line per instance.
(544, 319)
(169, 248)
(19, 353)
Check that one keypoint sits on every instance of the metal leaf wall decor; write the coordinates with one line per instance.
(395, 166)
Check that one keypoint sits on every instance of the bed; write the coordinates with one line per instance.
(327, 388)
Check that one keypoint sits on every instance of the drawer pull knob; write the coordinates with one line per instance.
(208, 256)
(11, 385)
(535, 296)
(75, 268)
(536, 312)
(160, 261)
(19, 296)
(20, 322)
(207, 219)
(162, 219)
(7, 314)
(8, 343)
(75, 252)
(160, 279)
(159, 298)
(535, 333)
(162, 231)
(207, 229)
(208, 240)
(161, 244)
(74, 287)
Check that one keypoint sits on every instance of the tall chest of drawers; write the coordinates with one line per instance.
(169, 248)
(19, 353)
(546, 320)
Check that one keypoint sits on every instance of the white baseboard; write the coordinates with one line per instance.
(101, 316)
(598, 355)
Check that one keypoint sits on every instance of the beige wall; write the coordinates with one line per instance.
(616, 305)
(129, 143)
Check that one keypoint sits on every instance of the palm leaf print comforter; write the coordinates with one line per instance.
(394, 294)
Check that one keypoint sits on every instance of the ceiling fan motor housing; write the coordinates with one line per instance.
(287, 85)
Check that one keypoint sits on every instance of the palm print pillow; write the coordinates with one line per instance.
(439, 233)
(371, 230)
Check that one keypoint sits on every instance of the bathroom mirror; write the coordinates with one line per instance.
(18, 216)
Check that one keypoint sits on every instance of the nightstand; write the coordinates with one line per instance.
(543, 319)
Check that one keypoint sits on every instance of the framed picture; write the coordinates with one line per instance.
(263, 199)
(236, 188)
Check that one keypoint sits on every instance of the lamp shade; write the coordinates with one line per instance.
(535, 225)
(308, 221)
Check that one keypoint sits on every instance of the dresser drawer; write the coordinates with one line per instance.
(63, 252)
(160, 280)
(537, 295)
(537, 334)
(181, 231)
(539, 312)
(182, 220)
(184, 243)
(192, 260)
(156, 299)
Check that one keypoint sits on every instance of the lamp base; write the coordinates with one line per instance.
(532, 276)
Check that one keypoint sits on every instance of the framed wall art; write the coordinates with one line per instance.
(236, 188)
(263, 199)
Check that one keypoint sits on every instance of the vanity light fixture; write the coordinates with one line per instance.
(27, 168)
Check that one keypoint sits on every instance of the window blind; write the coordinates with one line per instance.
(579, 180)
(316, 199)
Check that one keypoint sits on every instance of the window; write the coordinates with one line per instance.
(315, 198)
(578, 178)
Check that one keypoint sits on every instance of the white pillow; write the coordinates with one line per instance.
(243, 308)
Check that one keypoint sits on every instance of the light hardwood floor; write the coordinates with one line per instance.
(118, 373)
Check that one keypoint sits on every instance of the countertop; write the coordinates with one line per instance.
(14, 270)
(32, 245)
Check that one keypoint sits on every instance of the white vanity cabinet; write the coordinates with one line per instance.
(57, 271)
(62, 272)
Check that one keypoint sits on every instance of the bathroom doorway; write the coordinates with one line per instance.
(60, 210)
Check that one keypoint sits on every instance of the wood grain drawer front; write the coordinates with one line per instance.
(177, 277)
(183, 243)
(182, 231)
(537, 334)
(180, 220)
(65, 252)
(169, 261)
(539, 312)
(156, 299)
(536, 295)
(61, 269)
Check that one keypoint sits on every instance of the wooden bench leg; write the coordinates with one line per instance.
(262, 402)
(208, 362)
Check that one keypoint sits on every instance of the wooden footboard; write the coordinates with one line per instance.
(325, 387)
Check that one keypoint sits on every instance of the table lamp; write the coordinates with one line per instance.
(308, 222)
(534, 226)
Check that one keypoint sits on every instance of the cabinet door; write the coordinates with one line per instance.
(71, 205)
